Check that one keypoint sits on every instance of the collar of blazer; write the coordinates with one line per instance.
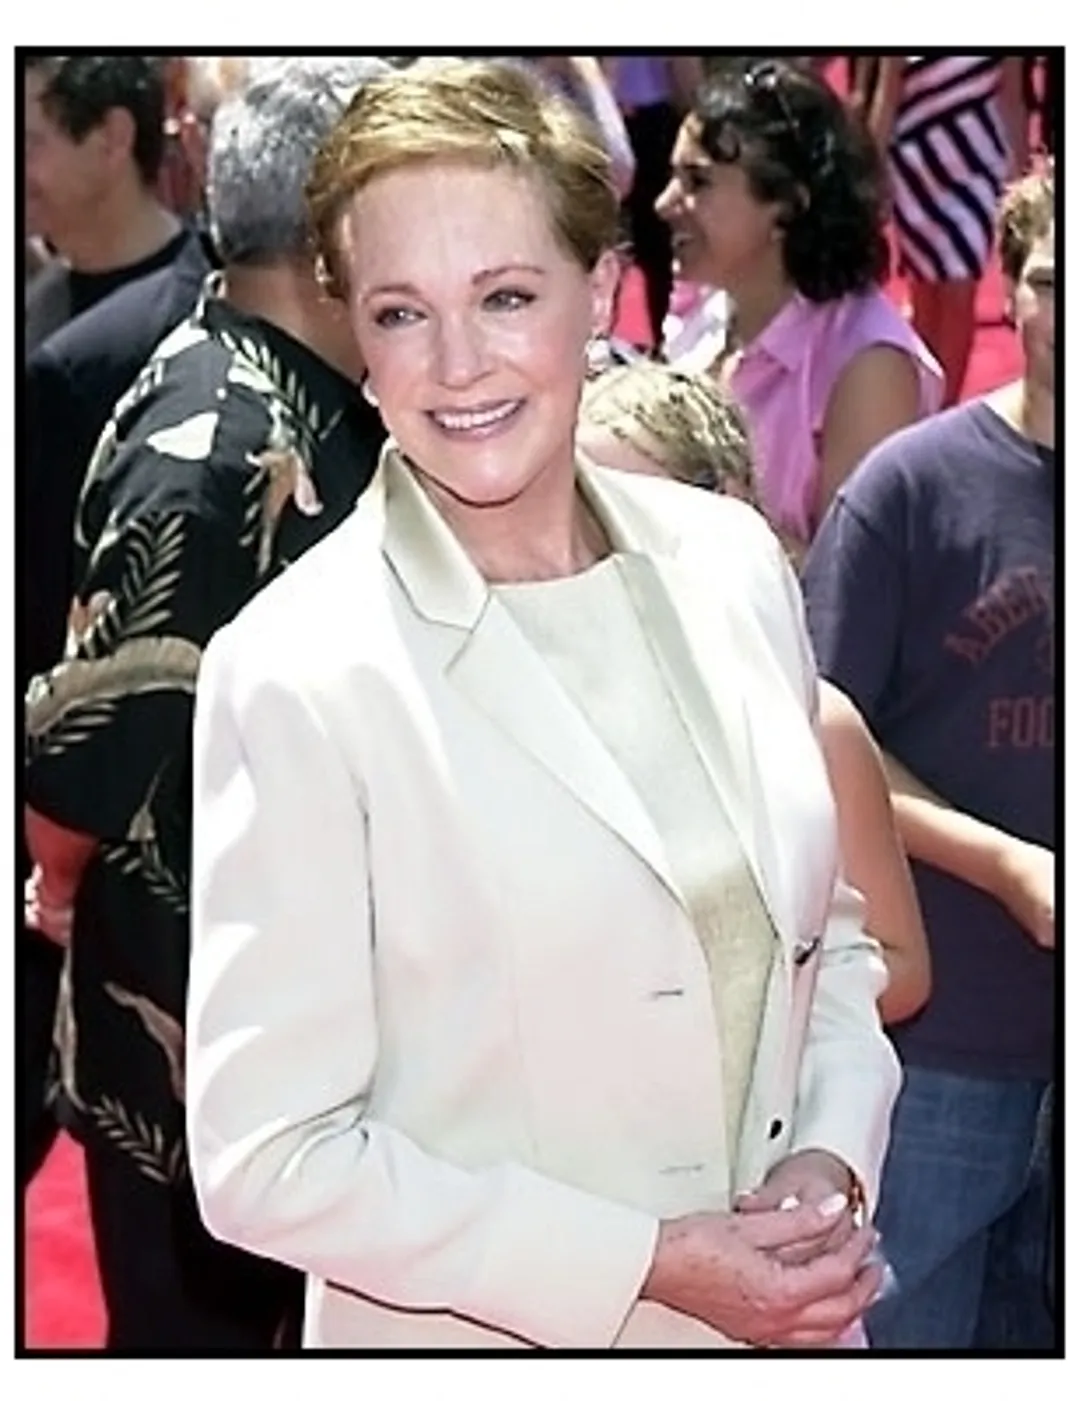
(435, 570)
(490, 660)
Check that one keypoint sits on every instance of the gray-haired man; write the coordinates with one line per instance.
(242, 442)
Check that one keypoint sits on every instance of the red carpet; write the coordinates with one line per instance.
(62, 1304)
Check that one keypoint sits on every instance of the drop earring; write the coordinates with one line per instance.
(598, 356)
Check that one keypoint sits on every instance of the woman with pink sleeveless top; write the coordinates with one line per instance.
(776, 196)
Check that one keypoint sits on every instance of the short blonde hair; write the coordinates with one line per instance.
(695, 429)
(481, 113)
(1025, 216)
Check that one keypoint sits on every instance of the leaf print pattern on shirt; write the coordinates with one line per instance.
(296, 421)
(152, 550)
(147, 383)
(283, 476)
(145, 860)
(191, 440)
(146, 1143)
(164, 1029)
(155, 548)
(184, 513)
(116, 644)
(140, 855)
(64, 707)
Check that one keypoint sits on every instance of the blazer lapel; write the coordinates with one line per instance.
(501, 673)
(692, 641)
(490, 661)
(701, 647)
(695, 641)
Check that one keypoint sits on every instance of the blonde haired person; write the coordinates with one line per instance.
(487, 1031)
(654, 418)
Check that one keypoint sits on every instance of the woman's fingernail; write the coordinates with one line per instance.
(789, 1203)
(833, 1205)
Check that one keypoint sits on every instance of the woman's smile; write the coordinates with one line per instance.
(484, 421)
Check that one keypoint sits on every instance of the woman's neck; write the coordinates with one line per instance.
(756, 305)
(548, 532)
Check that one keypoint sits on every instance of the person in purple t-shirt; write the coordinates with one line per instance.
(929, 590)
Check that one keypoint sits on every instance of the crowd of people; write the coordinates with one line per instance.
(534, 839)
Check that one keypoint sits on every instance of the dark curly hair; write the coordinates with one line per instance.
(799, 145)
(78, 91)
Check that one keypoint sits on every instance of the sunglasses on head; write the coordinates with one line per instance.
(767, 79)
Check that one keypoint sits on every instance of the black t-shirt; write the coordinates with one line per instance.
(58, 293)
(930, 597)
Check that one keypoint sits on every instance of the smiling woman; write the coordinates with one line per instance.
(509, 943)
(776, 198)
(474, 309)
(474, 322)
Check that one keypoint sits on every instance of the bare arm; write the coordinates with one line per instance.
(60, 856)
(1014, 115)
(1019, 874)
(890, 72)
(872, 852)
(864, 70)
(589, 79)
(877, 393)
(62, 853)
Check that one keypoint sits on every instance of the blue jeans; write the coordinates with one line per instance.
(964, 1216)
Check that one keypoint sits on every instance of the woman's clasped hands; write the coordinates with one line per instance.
(789, 1267)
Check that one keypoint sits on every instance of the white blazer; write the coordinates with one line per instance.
(451, 1040)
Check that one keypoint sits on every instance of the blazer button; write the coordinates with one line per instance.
(775, 1128)
(803, 952)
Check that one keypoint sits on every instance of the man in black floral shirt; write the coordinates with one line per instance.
(242, 442)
